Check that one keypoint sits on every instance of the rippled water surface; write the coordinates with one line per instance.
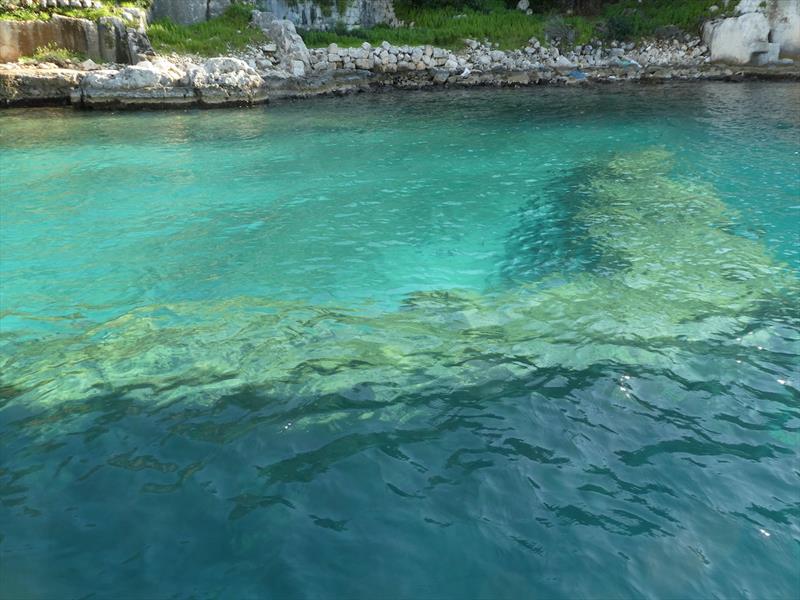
(492, 344)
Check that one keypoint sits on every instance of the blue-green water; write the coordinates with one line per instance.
(491, 344)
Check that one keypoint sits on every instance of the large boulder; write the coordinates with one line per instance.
(737, 39)
(760, 32)
(784, 20)
(290, 46)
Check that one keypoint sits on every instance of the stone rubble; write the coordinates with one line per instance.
(484, 56)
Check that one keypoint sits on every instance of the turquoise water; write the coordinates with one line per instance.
(485, 344)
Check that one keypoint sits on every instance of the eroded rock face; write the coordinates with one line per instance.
(33, 87)
(109, 39)
(310, 14)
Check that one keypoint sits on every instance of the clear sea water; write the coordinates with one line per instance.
(489, 344)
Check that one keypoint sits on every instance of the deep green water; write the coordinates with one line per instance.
(491, 344)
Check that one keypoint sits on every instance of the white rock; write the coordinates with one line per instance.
(735, 40)
(298, 68)
(226, 64)
(562, 62)
(749, 6)
(784, 19)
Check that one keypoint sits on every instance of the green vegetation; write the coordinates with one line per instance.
(27, 14)
(448, 28)
(632, 19)
(228, 32)
(54, 54)
(447, 23)
(109, 9)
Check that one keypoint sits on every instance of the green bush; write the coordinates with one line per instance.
(54, 54)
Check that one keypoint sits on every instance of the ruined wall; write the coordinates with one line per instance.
(307, 14)
(109, 39)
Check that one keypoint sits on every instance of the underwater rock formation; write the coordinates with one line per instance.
(668, 270)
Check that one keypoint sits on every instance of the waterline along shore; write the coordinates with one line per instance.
(230, 81)
(284, 67)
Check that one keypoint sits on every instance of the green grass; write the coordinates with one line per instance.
(448, 27)
(26, 14)
(109, 9)
(54, 54)
(650, 16)
(228, 32)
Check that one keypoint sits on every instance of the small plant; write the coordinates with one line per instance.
(54, 54)
(620, 27)
(557, 31)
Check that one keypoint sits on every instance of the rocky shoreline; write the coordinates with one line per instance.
(227, 82)
(285, 68)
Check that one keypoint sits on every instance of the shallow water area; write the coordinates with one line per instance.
(481, 344)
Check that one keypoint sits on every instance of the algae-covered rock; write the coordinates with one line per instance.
(668, 270)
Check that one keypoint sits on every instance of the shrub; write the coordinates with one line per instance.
(54, 54)
(558, 31)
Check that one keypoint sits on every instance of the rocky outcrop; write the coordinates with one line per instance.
(109, 39)
(739, 40)
(218, 82)
(760, 33)
(33, 87)
(784, 20)
(289, 46)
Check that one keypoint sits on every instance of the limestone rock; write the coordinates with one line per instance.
(784, 19)
(737, 39)
(290, 46)
(32, 87)
(219, 81)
